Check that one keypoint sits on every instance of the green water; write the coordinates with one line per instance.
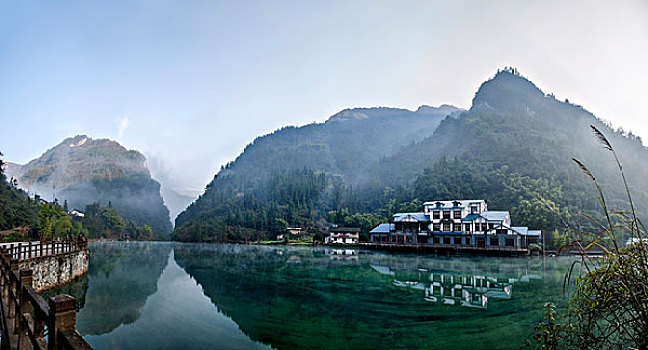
(199, 296)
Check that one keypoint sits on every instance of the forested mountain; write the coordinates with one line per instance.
(513, 148)
(347, 144)
(16, 208)
(281, 178)
(82, 171)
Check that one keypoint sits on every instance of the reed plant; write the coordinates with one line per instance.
(608, 294)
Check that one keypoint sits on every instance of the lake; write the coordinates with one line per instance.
(202, 296)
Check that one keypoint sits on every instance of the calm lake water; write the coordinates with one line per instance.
(200, 296)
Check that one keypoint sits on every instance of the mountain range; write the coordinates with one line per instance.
(81, 170)
(513, 147)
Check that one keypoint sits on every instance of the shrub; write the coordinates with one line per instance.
(608, 308)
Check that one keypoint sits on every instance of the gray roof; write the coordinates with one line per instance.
(520, 229)
(495, 215)
(524, 231)
(470, 217)
(382, 228)
(449, 204)
(488, 215)
(345, 229)
(405, 217)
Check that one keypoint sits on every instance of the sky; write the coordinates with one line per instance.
(191, 83)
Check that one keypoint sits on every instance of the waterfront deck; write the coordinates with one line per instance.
(24, 314)
(447, 249)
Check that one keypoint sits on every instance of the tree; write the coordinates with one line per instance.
(44, 218)
(76, 228)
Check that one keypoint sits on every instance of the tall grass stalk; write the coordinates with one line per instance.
(608, 308)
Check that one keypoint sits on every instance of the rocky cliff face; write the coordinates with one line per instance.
(82, 170)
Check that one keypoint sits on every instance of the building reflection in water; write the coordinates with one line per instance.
(341, 253)
(458, 282)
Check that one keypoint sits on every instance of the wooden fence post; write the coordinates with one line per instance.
(13, 292)
(62, 318)
(5, 275)
(25, 306)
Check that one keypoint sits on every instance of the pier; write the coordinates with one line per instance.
(28, 320)
(442, 249)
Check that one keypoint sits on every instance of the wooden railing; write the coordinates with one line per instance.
(28, 321)
(29, 250)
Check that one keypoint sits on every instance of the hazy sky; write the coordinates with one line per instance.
(190, 83)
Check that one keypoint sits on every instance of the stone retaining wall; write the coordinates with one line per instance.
(50, 271)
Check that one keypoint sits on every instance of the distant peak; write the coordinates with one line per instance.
(348, 114)
(75, 141)
(510, 75)
(507, 85)
(78, 141)
(509, 70)
(379, 112)
(442, 109)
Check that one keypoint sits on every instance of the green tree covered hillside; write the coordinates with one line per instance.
(289, 176)
(514, 148)
(16, 208)
(81, 171)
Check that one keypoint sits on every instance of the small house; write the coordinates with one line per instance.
(293, 231)
(76, 213)
(344, 235)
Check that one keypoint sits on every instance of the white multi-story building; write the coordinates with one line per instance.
(456, 222)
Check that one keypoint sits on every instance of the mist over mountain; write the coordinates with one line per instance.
(176, 202)
(513, 148)
(82, 170)
(346, 145)
(315, 157)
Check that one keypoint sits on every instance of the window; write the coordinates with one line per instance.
(446, 227)
(501, 231)
(457, 240)
(509, 242)
(446, 240)
(474, 208)
(467, 227)
(436, 214)
(457, 214)
(436, 227)
(494, 241)
(446, 214)
(436, 240)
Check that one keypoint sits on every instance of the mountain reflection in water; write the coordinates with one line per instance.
(203, 296)
(120, 278)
